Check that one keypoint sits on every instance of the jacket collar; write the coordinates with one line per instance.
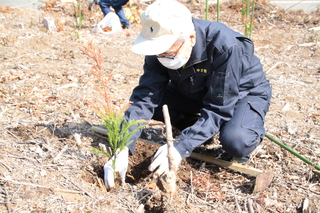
(199, 52)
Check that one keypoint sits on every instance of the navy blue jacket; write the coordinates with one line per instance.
(221, 70)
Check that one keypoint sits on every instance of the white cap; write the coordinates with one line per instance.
(162, 23)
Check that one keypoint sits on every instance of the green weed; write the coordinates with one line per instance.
(247, 12)
(78, 14)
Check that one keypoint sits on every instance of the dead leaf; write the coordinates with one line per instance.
(107, 29)
(152, 185)
(261, 200)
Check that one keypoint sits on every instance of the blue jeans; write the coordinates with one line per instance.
(117, 6)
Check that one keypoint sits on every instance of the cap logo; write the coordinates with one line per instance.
(151, 29)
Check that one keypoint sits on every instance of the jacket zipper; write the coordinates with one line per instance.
(191, 79)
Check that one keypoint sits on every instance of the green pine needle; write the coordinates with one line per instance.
(119, 132)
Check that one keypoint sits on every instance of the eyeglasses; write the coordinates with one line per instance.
(169, 54)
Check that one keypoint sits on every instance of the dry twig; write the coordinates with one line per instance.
(305, 188)
(85, 192)
(235, 198)
(277, 64)
(7, 198)
(199, 199)
(191, 185)
(7, 167)
(250, 206)
(305, 205)
(20, 157)
(55, 160)
(40, 186)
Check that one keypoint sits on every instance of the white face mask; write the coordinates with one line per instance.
(175, 63)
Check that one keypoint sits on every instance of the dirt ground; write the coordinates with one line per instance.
(46, 164)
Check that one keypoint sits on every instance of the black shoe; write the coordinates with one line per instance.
(244, 160)
(209, 141)
(125, 26)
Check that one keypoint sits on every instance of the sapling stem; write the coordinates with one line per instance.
(169, 136)
(169, 180)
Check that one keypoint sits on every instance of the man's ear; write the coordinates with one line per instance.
(193, 38)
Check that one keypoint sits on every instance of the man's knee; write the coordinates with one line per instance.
(239, 143)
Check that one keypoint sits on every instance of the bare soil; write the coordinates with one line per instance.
(46, 164)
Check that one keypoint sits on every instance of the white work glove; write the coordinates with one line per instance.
(160, 161)
(121, 167)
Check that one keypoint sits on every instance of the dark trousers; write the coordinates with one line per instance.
(240, 135)
(117, 6)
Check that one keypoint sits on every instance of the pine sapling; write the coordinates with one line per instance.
(118, 135)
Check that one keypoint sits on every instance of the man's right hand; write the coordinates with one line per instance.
(160, 161)
(121, 167)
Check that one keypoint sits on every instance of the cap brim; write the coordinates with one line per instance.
(153, 46)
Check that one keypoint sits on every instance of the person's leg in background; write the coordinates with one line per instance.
(105, 7)
(124, 21)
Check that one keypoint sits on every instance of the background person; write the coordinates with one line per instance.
(116, 5)
(208, 76)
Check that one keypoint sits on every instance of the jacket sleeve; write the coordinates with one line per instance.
(147, 95)
(219, 101)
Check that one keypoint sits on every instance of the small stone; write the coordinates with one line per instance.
(48, 23)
